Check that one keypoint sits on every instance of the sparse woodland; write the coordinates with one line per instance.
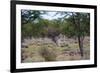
(63, 36)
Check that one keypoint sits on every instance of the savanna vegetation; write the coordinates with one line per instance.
(54, 36)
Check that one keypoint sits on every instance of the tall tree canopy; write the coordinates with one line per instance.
(30, 16)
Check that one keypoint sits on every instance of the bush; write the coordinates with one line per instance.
(48, 54)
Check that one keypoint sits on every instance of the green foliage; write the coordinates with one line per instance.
(28, 16)
(71, 24)
(77, 24)
(27, 30)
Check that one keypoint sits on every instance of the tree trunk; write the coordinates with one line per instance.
(80, 40)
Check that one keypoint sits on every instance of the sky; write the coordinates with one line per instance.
(51, 15)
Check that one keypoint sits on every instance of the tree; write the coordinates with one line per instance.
(50, 29)
(53, 29)
(77, 25)
(30, 16)
(28, 20)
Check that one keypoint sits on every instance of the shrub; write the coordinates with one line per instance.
(48, 54)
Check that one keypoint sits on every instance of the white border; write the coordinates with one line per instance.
(20, 65)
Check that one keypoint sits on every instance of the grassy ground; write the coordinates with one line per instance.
(38, 52)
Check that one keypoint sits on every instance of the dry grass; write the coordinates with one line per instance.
(49, 52)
